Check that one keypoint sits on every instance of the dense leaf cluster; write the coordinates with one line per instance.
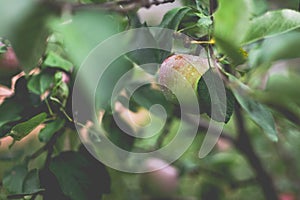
(246, 38)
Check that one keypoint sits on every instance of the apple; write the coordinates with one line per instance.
(161, 183)
(9, 64)
(286, 196)
(179, 76)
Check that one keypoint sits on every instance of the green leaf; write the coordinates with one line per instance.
(60, 92)
(51, 185)
(172, 19)
(118, 133)
(50, 129)
(9, 20)
(28, 31)
(13, 180)
(86, 30)
(204, 25)
(233, 52)
(260, 114)
(10, 111)
(284, 46)
(230, 26)
(196, 24)
(149, 55)
(232, 20)
(80, 176)
(56, 61)
(21, 130)
(133, 106)
(21, 182)
(223, 105)
(109, 79)
(31, 183)
(146, 97)
(38, 84)
(272, 23)
(281, 88)
(259, 7)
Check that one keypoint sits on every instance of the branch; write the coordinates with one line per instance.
(244, 145)
(122, 6)
(47, 147)
(165, 132)
(212, 7)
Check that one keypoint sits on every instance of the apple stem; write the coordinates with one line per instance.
(212, 41)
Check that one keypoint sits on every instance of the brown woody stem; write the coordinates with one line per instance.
(243, 144)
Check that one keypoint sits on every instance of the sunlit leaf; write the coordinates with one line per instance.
(272, 23)
(23, 129)
(232, 20)
(230, 26)
(56, 61)
(285, 46)
(27, 30)
(85, 30)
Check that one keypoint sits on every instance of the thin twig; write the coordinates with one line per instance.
(21, 196)
(165, 132)
(34, 197)
(36, 154)
(243, 144)
(50, 148)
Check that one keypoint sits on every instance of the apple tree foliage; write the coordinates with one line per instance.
(256, 45)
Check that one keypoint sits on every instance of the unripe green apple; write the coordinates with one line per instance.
(162, 183)
(180, 74)
(9, 64)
